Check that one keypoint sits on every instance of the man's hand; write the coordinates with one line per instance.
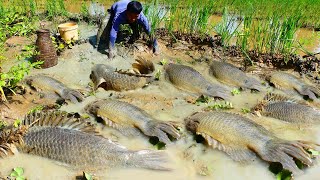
(154, 47)
(112, 52)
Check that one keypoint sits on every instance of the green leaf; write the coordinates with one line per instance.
(14, 174)
(19, 170)
(87, 176)
(235, 92)
(20, 178)
(314, 152)
(16, 123)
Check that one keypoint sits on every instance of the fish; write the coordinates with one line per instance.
(243, 140)
(46, 84)
(288, 109)
(118, 80)
(227, 73)
(71, 141)
(188, 79)
(130, 120)
(288, 82)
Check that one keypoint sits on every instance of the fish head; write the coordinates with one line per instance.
(192, 122)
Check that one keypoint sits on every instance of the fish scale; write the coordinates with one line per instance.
(242, 139)
(76, 143)
(130, 120)
(230, 74)
(292, 112)
(107, 77)
(188, 79)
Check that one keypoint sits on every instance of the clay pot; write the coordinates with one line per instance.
(47, 52)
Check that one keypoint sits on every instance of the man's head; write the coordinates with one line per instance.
(134, 8)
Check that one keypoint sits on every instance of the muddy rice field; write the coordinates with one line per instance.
(163, 101)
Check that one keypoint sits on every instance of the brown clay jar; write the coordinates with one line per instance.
(47, 52)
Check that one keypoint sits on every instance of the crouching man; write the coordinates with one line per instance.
(124, 12)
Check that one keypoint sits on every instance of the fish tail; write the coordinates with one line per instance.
(161, 130)
(148, 159)
(219, 93)
(73, 95)
(258, 87)
(143, 66)
(284, 151)
(309, 91)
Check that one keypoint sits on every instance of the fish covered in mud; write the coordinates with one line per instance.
(243, 140)
(287, 109)
(288, 82)
(130, 120)
(74, 142)
(50, 86)
(188, 79)
(110, 79)
(227, 73)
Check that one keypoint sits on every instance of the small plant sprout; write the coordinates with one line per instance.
(16, 123)
(221, 105)
(87, 176)
(245, 110)
(157, 75)
(35, 109)
(17, 173)
(2, 124)
(202, 99)
(163, 62)
(314, 152)
(235, 91)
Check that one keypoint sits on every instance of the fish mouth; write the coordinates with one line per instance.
(192, 123)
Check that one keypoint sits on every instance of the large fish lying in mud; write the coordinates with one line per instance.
(227, 73)
(72, 141)
(131, 120)
(49, 85)
(110, 79)
(288, 109)
(288, 82)
(242, 139)
(187, 78)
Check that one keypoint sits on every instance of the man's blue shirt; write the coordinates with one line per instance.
(119, 9)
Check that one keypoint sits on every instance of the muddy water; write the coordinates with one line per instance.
(165, 102)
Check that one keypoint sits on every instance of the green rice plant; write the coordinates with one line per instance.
(33, 7)
(55, 8)
(84, 10)
(155, 13)
(228, 27)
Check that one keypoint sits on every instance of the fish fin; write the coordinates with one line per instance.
(237, 154)
(123, 129)
(273, 97)
(73, 95)
(143, 66)
(310, 91)
(161, 129)
(131, 73)
(284, 151)
(218, 92)
(148, 159)
(60, 119)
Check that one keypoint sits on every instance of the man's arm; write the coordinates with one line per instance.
(114, 31)
(145, 23)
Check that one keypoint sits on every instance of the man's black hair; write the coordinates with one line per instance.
(134, 7)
